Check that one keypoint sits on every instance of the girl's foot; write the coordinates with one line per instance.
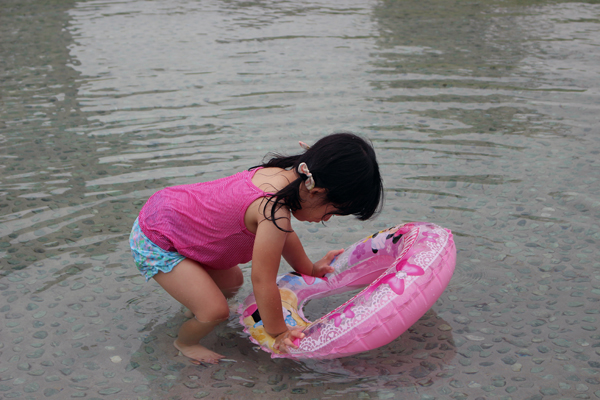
(198, 352)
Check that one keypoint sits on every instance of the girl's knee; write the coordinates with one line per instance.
(229, 281)
(218, 311)
(222, 313)
(237, 277)
(236, 282)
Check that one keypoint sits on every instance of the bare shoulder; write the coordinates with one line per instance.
(260, 211)
(272, 180)
(269, 180)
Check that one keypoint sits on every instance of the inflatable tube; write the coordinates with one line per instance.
(405, 269)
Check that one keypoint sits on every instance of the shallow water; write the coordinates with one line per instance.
(485, 119)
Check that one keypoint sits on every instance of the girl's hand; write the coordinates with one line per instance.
(322, 267)
(286, 339)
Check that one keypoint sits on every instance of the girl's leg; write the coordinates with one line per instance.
(228, 280)
(191, 285)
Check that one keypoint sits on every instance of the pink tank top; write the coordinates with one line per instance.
(204, 221)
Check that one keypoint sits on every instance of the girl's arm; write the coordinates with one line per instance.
(294, 254)
(266, 256)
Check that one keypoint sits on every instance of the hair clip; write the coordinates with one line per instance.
(303, 145)
(309, 182)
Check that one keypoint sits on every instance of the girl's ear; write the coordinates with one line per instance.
(318, 192)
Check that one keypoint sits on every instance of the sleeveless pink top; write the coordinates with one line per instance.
(204, 221)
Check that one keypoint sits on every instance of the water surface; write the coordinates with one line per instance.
(484, 116)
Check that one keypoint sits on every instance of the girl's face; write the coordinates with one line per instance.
(315, 208)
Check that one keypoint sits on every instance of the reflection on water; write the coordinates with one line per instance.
(485, 120)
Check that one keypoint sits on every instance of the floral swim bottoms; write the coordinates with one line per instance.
(149, 258)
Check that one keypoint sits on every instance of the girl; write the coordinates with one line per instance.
(191, 238)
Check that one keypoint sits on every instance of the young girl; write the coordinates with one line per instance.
(191, 238)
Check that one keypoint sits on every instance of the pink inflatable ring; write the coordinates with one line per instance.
(405, 269)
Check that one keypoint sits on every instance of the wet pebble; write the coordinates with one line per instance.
(40, 335)
(419, 372)
(562, 342)
(517, 367)
(274, 379)
(108, 391)
(219, 375)
(462, 319)
(48, 392)
(548, 391)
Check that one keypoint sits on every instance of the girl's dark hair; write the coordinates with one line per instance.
(342, 163)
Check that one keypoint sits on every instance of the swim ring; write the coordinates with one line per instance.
(405, 269)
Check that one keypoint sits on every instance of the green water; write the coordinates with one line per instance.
(485, 119)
